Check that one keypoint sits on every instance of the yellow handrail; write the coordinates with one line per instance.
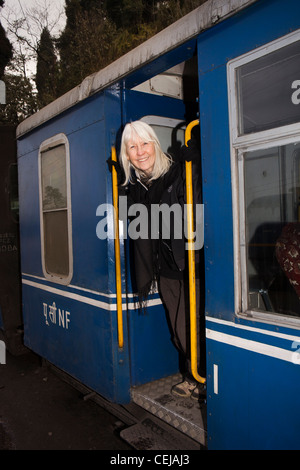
(191, 259)
(117, 250)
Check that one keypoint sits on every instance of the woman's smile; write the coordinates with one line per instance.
(141, 155)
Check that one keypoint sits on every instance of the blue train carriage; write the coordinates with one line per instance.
(249, 72)
(241, 59)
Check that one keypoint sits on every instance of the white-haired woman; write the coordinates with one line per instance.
(141, 152)
(152, 177)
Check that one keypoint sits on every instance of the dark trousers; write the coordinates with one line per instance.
(175, 296)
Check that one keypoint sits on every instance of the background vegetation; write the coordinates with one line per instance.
(96, 33)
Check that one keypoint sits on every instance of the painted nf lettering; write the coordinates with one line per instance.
(296, 95)
(56, 316)
(2, 353)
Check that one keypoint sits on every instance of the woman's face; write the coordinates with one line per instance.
(141, 154)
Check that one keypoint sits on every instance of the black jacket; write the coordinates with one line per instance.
(165, 255)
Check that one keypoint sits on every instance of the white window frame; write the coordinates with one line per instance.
(239, 144)
(58, 139)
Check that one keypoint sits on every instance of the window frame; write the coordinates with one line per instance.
(239, 145)
(48, 144)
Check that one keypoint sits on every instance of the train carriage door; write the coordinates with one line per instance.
(250, 144)
(160, 103)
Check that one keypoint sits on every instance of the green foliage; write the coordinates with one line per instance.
(20, 99)
(97, 32)
(87, 43)
(47, 70)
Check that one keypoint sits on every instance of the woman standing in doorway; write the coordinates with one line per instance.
(152, 177)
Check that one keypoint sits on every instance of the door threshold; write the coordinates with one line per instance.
(184, 414)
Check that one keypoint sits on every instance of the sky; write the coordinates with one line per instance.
(19, 6)
(16, 9)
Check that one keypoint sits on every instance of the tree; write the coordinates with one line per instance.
(20, 100)
(24, 27)
(6, 53)
(47, 70)
(87, 43)
(96, 33)
(126, 14)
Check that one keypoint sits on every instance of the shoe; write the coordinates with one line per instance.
(183, 389)
(199, 392)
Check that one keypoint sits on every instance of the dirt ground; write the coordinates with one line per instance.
(39, 411)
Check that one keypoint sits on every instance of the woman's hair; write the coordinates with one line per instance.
(142, 130)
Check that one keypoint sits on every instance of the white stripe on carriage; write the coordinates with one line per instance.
(254, 346)
(84, 289)
(254, 329)
(87, 300)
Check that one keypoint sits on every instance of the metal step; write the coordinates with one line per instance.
(144, 430)
(184, 414)
(153, 434)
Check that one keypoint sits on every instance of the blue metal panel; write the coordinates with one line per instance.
(256, 25)
(253, 401)
(84, 127)
(73, 335)
(85, 346)
(217, 198)
(137, 104)
(170, 59)
(261, 22)
(29, 214)
(152, 351)
(256, 401)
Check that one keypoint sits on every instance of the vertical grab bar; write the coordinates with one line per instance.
(191, 259)
(117, 250)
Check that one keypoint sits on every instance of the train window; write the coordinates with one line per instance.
(264, 109)
(55, 209)
(272, 229)
(170, 132)
(269, 90)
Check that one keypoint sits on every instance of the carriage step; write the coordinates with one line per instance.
(185, 415)
(149, 435)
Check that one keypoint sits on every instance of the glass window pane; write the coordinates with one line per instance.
(272, 235)
(269, 90)
(54, 185)
(56, 242)
(171, 139)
